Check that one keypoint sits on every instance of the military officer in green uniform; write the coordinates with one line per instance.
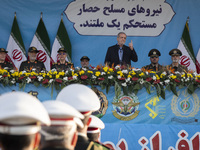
(62, 64)
(32, 63)
(154, 58)
(4, 64)
(175, 56)
(85, 101)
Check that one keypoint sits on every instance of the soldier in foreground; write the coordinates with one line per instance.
(85, 101)
(62, 134)
(21, 116)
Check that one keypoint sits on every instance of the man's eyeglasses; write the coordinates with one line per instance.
(62, 53)
(154, 57)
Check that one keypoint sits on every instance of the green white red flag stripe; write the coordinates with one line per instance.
(185, 46)
(61, 40)
(16, 50)
(42, 42)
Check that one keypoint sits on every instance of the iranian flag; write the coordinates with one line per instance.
(198, 62)
(185, 46)
(61, 40)
(16, 50)
(42, 43)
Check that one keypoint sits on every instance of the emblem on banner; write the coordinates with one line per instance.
(185, 105)
(126, 107)
(154, 109)
(103, 102)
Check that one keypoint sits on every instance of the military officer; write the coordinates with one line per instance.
(94, 129)
(21, 116)
(62, 134)
(85, 62)
(3, 63)
(32, 63)
(154, 58)
(85, 101)
(62, 64)
(175, 56)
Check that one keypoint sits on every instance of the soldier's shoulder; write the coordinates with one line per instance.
(54, 63)
(96, 145)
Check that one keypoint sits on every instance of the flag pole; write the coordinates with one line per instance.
(41, 15)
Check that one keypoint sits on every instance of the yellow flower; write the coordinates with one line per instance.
(189, 75)
(57, 76)
(97, 73)
(55, 72)
(75, 74)
(81, 72)
(162, 75)
(120, 73)
(72, 73)
(141, 74)
(105, 69)
(173, 77)
(50, 76)
(183, 75)
(110, 69)
(133, 73)
(61, 73)
(157, 77)
(27, 74)
(90, 71)
(15, 74)
(129, 76)
(152, 72)
(33, 73)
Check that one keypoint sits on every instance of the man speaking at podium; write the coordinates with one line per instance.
(121, 54)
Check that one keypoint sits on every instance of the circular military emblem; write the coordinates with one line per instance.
(185, 105)
(42, 56)
(17, 55)
(103, 103)
(126, 107)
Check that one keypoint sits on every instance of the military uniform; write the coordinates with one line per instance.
(154, 67)
(28, 66)
(62, 116)
(180, 68)
(83, 143)
(59, 67)
(7, 64)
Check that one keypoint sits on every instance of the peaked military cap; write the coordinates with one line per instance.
(33, 49)
(62, 49)
(95, 125)
(154, 52)
(21, 114)
(85, 57)
(61, 113)
(175, 52)
(81, 97)
(3, 50)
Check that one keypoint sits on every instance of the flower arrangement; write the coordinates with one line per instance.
(126, 79)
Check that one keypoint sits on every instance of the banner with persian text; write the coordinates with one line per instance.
(93, 25)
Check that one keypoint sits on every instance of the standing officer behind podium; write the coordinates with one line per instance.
(32, 63)
(3, 63)
(175, 56)
(62, 64)
(121, 54)
(154, 58)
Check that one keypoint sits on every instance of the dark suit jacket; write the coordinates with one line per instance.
(112, 55)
